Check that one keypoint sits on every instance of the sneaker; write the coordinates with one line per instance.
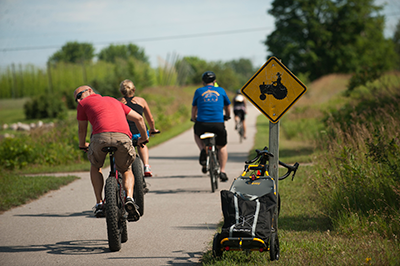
(147, 171)
(132, 209)
(98, 210)
(204, 169)
(223, 177)
(203, 157)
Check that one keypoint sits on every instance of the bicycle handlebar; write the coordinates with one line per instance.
(263, 157)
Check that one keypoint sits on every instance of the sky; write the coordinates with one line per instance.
(214, 30)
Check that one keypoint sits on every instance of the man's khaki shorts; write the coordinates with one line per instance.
(124, 156)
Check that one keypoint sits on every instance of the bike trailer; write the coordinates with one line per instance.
(248, 209)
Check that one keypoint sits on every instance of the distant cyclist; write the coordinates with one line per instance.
(139, 105)
(239, 109)
(208, 107)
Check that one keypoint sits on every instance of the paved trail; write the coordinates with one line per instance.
(181, 214)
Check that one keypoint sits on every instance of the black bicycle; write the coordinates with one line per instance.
(212, 164)
(240, 129)
(116, 216)
(140, 187)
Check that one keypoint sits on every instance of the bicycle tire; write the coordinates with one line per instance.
(124, 230)
(274, 252)
(216, 169)
(113, 218)
(138, 193)
(241, 131)
(123, 215)
(212, 172)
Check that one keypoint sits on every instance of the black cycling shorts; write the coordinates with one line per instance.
(240, 114)
(216, 128)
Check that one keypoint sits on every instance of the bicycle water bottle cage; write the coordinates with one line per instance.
(109, 149)
(208, 138)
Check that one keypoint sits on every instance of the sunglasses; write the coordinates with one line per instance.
(79, 95)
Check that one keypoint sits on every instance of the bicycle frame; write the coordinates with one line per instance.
(212, 164)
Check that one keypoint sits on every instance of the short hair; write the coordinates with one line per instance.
(127, 87)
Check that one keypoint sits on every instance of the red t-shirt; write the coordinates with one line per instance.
(106, 114)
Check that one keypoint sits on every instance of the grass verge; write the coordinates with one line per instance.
(17, 190)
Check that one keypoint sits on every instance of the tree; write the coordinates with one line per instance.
(396, 41)
(326, 36)
(112, 52)
(243, 68)
(73, 52)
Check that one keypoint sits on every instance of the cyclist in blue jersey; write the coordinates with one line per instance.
(208, 108)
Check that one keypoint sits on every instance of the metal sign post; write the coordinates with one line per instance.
(273, 89)
(274, 161)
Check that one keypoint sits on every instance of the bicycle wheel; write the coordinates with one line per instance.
(241, 131)
(216, 169)
(212, 172)
(113, 218)
(137, 169)
(123, 214)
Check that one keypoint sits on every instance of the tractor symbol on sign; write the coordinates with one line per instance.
(277, 89)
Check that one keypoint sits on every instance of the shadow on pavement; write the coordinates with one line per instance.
(87, 214)
(184, 258)
(176, 191)
(199, 227)
(76, 247)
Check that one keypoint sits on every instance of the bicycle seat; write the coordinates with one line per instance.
(207, 135)
(109, 149)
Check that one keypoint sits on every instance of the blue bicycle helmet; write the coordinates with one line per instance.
(208, 77)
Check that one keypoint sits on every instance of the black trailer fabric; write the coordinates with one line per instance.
(247, 218)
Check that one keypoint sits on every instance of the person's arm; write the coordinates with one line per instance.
(82, 132)
(194, 113)
(227, 109)
(139, 122)
(149, 116)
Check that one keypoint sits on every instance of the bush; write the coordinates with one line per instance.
(45, 106)
(15, 153)
(53, 147)
(359, 180)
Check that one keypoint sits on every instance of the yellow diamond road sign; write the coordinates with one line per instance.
(273, 89)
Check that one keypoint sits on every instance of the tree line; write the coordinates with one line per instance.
(312, 37)
(320, 37)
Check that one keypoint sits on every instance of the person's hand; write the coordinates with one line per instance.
(154, 131)
(142, 141)
(84, 148)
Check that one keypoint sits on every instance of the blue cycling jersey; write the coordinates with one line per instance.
(210, 102)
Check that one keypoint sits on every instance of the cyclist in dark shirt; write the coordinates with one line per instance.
(239, 109)
(138, 104)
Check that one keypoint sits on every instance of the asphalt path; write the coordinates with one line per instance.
(180, 216)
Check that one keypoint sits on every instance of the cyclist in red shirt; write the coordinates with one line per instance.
(110, 128)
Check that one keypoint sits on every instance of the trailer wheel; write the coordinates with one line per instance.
(274, 247)
(216, 248)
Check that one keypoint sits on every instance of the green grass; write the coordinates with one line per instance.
(306, 236)
(290, 150)
(17, 190)
(11, 111)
